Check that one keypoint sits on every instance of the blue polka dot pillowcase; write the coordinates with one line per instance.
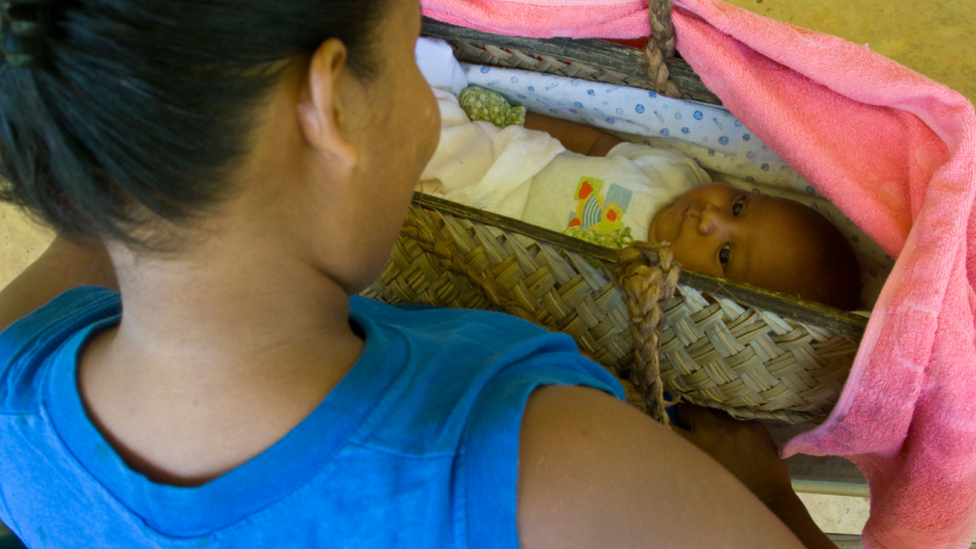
(711, 129)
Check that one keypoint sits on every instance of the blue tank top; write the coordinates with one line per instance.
(417, 446)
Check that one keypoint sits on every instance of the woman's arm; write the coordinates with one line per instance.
(594, 472)
(64, 265)
(576, 137)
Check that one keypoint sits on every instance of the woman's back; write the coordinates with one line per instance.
(411, 439)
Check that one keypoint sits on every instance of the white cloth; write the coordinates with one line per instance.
(438, 65)
(529, 175)
(482, 166)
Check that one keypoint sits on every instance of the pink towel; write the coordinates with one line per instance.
(545, 18)
(897, 153)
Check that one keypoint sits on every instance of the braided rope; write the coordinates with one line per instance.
(489, 54)
(660, 47)
(649, 277)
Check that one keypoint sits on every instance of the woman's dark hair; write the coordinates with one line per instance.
(110, 109)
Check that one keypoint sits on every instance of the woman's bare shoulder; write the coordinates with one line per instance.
(594, 472)
(63, 266)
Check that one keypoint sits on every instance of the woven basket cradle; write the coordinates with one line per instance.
(712, 342)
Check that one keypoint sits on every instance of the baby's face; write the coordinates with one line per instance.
(722, 231)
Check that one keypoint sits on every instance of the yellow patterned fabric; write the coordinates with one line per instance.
(616, 240)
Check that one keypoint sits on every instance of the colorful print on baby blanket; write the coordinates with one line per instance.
(598, 218)
(603, 214)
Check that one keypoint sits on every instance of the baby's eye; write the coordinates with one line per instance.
(723, 255)
(738, 205)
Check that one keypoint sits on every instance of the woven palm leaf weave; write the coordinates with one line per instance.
(751, 352)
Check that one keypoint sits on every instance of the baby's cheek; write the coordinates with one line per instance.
(693, 257)
(650, 227)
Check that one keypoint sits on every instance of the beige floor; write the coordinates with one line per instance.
(932, 37)
(21, 241)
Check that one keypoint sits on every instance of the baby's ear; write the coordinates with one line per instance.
(322, 113)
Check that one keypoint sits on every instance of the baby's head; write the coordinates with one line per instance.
(770, 242)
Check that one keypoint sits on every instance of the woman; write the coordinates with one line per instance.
(238, 169)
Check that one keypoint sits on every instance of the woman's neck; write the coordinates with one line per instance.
(219, 354)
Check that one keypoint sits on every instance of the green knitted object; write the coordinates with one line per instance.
(489, 106)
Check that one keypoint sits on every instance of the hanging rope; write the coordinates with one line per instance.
(648, 277)
(660, 48)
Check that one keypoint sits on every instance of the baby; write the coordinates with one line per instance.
(576, 179)
(766, 241)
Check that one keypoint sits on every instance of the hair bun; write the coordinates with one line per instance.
(23, 25)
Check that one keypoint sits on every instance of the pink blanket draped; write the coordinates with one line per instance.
(897, 153)
(545, 18)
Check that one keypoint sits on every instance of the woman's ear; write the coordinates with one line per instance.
(324, 117)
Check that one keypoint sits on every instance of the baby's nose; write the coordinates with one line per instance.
(712, 222)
